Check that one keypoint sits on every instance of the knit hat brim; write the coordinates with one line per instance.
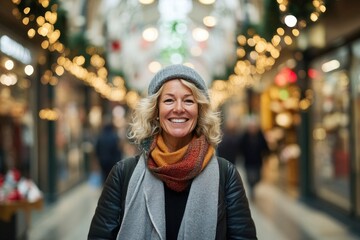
(177, 71)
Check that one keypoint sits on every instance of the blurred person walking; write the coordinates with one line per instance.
(254, 148)
(177, 188)
(107, 148)
(228, 148)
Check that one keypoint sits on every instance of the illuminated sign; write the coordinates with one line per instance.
(285, 76)
(15, 49)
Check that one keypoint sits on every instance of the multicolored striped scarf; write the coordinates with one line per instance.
(177, 169)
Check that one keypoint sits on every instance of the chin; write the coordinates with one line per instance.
(180, 134)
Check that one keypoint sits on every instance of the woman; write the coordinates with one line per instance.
(177, 188)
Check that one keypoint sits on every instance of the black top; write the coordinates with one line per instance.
(175, 203)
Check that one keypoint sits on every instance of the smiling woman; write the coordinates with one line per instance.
(177, 188)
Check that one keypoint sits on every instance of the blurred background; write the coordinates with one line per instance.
(68, 66)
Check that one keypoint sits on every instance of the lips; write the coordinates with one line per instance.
(178, 120)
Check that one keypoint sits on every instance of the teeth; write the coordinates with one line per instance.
(178, 120)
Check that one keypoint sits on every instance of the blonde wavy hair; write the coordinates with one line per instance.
(144, 122)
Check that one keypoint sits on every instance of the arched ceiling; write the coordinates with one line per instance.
(177, 34)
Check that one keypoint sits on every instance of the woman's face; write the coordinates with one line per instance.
(178, 113)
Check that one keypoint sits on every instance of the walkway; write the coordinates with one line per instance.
(276, 215)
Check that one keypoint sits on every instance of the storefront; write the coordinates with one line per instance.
(42, 117)
(355, 94)
(69, 102)
(18, 145)
(280, 119)
(330, 127)
(334, 127)
(17, 68)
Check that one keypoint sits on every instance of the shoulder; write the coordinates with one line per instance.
(124, 168)
(225, 165)
(230, 179)
(129, 160)
(128, 163)
(227, 171)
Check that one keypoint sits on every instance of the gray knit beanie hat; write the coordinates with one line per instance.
(177, 71)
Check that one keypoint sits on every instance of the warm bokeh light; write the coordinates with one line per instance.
(200, 34)
(154, 67)
(209, 21)
(9, 64)
(29, 70)
(150, 34)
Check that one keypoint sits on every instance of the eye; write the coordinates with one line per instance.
(168, 100)
(189, 101)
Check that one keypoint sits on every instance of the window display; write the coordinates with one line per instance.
(16, 114)
(69, 134)
(355, 76)
(330, 118)
(281, 101)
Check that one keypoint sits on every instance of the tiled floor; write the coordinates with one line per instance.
(276, 215)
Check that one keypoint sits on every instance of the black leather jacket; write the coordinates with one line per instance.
(234, 217)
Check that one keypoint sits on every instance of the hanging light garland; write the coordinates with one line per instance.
(42, 17)
(256, 54)
(259, 54)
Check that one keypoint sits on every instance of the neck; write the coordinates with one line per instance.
(174, 144)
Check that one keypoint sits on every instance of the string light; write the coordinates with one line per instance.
(256, 55)
(46, 28)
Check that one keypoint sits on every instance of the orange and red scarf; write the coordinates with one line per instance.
(177, 169)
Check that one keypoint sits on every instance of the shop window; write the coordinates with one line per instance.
(330, 118)
(69, 135)
(355, 77)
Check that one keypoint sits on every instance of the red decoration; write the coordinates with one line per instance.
(14, 195)
(2, 180)
(144, 44)
(116, 46)
(285, 76)
(203, 44)
(312, 73)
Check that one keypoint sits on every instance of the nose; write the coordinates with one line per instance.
(179, 106)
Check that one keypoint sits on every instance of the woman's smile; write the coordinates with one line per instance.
(178, 120)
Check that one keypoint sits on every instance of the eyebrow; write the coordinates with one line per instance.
(172, 95)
